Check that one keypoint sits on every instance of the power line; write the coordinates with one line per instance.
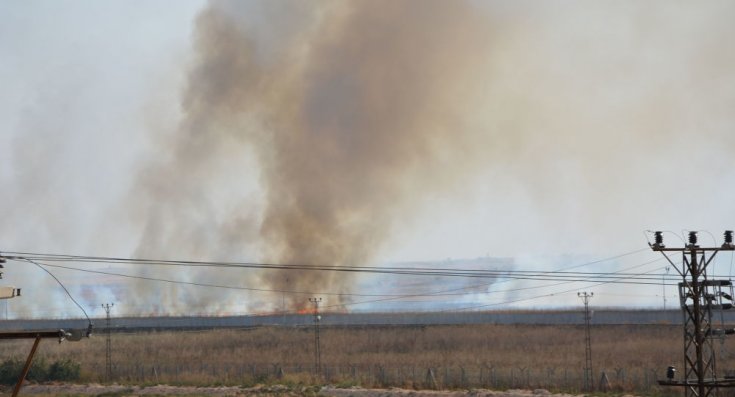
(499, 276)
(496, 282)
(617, 277)
(553, 293)
(386, 297)
(508, 290)
(412, 271)
(436, 272)
(547, 286)
(65, 290)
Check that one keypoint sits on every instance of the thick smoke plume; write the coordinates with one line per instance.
(351, 116)
(575, 123)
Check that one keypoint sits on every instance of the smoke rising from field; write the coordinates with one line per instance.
(353, 112)
(343, 133)
(351, 118)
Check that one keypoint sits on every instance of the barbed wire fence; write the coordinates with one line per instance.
(408, 376)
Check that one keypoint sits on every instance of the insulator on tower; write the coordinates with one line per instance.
(693, 238)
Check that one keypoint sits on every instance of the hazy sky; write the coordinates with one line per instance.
(554, 132)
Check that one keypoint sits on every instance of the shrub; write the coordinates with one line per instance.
(10, 370)
(40, 371)
(64, 370)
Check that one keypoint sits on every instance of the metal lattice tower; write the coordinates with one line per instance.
(317, 347)
(589, 383)
(108, 342)
(699, 297)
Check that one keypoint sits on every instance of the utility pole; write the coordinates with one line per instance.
(283, 303)
(108, 342)
(589, 383)
(663, 285)
(699, 297)
(317, 351)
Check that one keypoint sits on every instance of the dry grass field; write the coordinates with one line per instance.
(501, 356)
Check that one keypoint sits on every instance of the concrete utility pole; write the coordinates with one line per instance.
(108, 342)
(699, 297)
(589, 382)
(317, 351)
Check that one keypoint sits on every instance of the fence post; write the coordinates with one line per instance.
(550, 372)
(655, 376)
(620, 377)
(279, 372)
(604, 383)
(431, 379)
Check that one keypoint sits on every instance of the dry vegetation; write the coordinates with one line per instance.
(217, 356)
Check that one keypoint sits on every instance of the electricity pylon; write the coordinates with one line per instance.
(699, 297)
(317, 350)
(108, 342)
(589, 383)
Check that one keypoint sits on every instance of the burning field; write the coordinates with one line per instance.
(286, 157)
(350, 134)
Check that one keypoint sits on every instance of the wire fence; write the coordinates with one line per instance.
(419, 377)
